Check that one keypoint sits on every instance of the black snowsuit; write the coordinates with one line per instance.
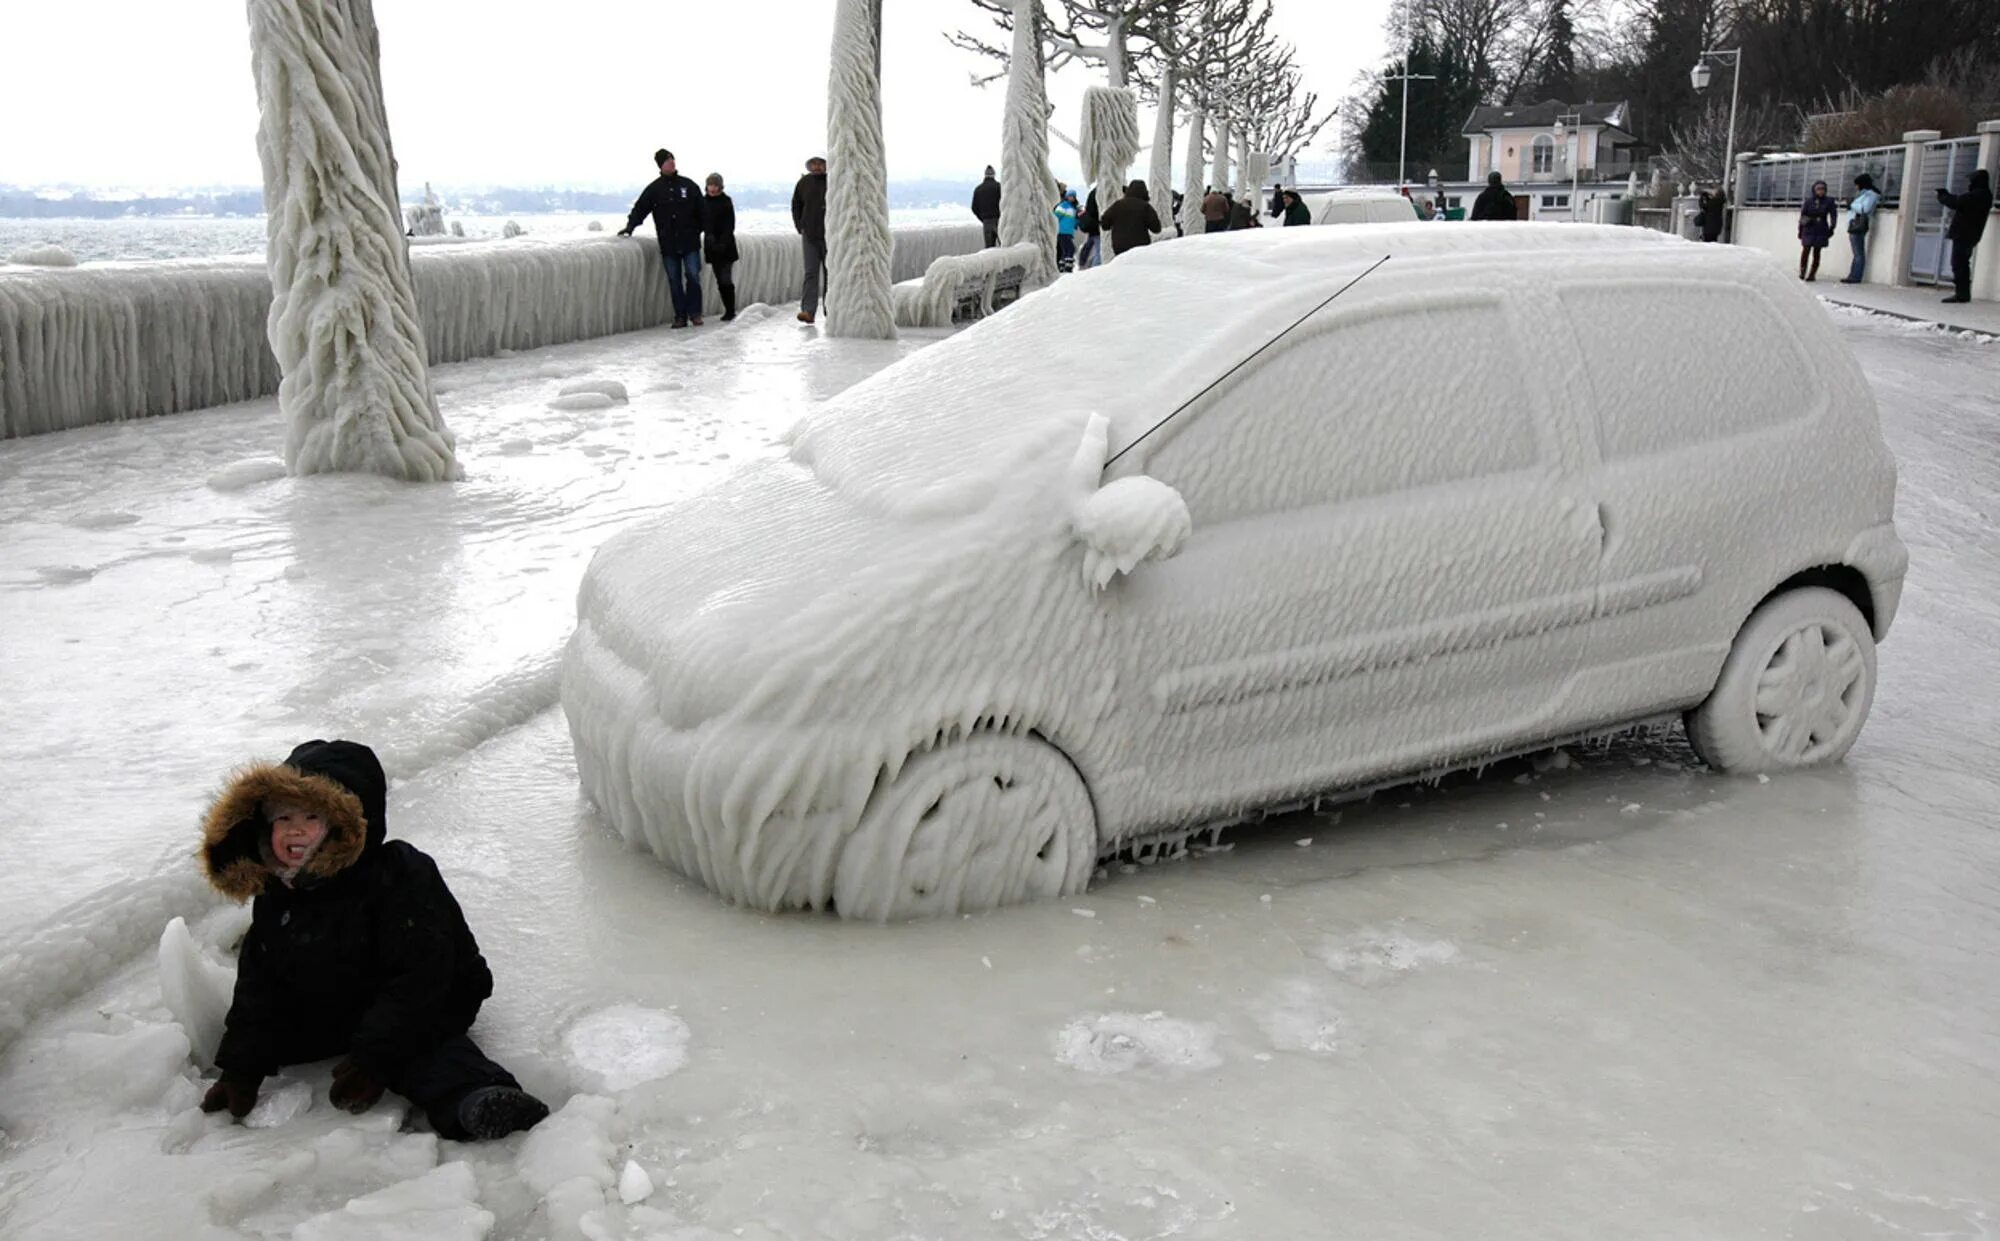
(366, 954)
(1493, 203)
(674, 202)
(986, 205)
(718, 246)
(1968, 225)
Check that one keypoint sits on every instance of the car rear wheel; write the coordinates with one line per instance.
(984, 821)
(1795, 689)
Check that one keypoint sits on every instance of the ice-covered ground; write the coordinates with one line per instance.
(1604, 993)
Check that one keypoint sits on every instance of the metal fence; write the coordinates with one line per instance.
(1784, 181)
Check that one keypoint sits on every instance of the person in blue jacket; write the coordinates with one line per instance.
(1860, 218)
(1066, 213)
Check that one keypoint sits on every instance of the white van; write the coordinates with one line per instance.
(1362, 207)
(1512, 487)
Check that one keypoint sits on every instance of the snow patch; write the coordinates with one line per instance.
(1370, 956)
(1298, 1017)
(1121, 1042)
(624, 1045)
(238, 475)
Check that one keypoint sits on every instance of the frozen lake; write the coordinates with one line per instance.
(183, 237)
(1601, 994)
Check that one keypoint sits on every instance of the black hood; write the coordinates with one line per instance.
(342, 780)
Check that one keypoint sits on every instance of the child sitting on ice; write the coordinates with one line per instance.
(356, 949)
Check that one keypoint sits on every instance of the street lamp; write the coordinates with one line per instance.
(1699, 75)
(1403, 144)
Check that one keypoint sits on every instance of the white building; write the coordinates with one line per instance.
(1546, 153)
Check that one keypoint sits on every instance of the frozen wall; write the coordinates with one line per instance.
(106, 342)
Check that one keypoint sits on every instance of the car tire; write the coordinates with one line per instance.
(984, 821)
(1795, 689)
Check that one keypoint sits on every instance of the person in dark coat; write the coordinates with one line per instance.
(718, 241)
(1131, 219)
(986, 205)
(674, 202)
(1296, 212)
(1815, 229)
(1968, 224)
(1215, 212)
(1091, 225)
(356, 949)
(1277, 201)
(1712, 204)
(1241, 216)
(1494, 202)
(809, 218)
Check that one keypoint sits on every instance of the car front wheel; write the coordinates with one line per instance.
(1795, 689)
(980, 822)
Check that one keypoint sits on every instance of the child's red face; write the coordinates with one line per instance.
(295, 832)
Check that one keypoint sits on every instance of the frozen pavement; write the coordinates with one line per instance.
(1603, 993)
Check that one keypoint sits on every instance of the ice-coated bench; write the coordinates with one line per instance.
(957, 287)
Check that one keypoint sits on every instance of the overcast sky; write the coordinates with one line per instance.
(158, 93)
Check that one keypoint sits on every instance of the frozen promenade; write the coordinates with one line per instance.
(1602, 995)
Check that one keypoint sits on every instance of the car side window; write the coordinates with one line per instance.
(1677, 363)
(1359, 407)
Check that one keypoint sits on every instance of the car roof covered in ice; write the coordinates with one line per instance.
(938, 431)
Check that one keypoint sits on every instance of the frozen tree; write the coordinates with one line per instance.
(1110, 140)
(1191, 181)
(426, 219)
(1027, 187)
(858, 242)
(356, 393)
(1123, 28)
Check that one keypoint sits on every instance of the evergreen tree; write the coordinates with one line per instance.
(1556, 76)
(1438, 112)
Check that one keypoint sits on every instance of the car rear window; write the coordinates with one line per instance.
(1673, 363)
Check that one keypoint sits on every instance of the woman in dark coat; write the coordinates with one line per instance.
(1712, 205)
(718, 241)
(1815, 229)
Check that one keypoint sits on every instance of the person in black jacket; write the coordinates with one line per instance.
(718, 241)
(809, 217)
(674, 202)
(356, 949)
(1091, 225)
(1968, 224)
(1494, 202)
(1131, 219)
(986, 205)
(1712, 204)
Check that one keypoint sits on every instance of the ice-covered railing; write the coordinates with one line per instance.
(930, 302)
(106, 342)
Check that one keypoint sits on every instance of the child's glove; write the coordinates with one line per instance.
(355, 1089)
(238, 1094)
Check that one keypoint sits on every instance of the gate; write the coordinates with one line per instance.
(1944, 167)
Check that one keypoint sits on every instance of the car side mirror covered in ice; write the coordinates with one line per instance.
(1126, 521)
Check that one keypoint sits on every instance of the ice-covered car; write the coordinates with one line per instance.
(976, 628)
(1362, 207)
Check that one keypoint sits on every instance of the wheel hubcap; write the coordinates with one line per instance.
(1810, 692)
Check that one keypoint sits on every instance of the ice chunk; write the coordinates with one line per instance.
(624, 1045)
(566, 1204)
(195, 989)
(581, 401)
(246, 473)
(440, 1205)
(43, 256)
(510, 230)
(575, 1142)
(634, 1186)
(1121, 1042)
(280, 1106)
(129, 1069)
(595, 226)
(607, 387)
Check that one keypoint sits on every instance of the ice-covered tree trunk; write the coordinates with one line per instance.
(1256, 171)
(1027, 187)
(1191, 182)
(1109, 141)
(1218, 172)
(859, 246)
(1244, 189)
(1160, 173)
(356, 392)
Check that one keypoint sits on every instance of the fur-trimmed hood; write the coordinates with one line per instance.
(342, 780)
